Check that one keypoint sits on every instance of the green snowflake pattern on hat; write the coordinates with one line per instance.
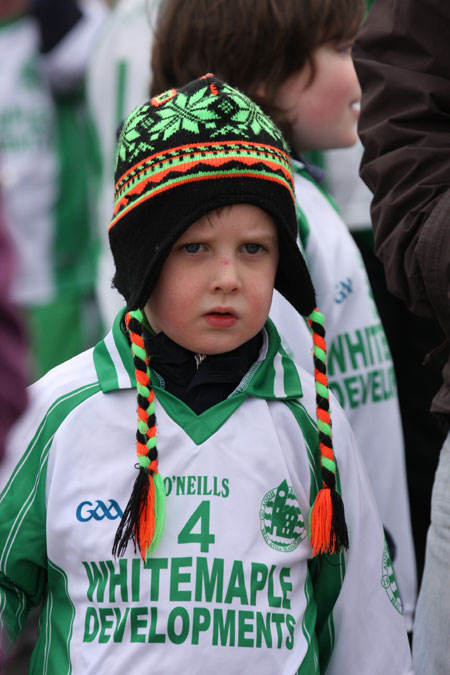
(181, 112)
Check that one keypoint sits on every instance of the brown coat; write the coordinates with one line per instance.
(402, 57)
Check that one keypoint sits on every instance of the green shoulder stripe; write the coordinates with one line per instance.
(310, 663)
(105, 367)
(75, 243)
(113, 359)
(55, 627)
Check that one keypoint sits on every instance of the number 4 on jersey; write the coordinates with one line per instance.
(203, 535)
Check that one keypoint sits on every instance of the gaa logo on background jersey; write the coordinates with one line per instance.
(282, 524)
(388, 581)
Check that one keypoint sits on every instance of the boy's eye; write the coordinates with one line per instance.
(252, 249)
(192, 248)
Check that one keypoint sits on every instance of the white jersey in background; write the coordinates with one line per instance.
(118, 80)
(352, 195)
(44, 170)
(360, 367)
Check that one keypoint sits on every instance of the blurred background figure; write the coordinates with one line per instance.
(13, 353)
(45, 171)
(117, 81)
(47, 196)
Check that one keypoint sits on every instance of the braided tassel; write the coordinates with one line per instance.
(328, 529)
(143, 518)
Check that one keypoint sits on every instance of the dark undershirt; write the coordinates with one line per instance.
(200, 385)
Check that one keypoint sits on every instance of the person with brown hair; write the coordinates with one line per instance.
(257, 45)
(294, 59)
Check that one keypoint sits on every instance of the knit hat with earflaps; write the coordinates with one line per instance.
(180, 156)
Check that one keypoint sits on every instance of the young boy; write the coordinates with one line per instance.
(293, 58)
(230, 460)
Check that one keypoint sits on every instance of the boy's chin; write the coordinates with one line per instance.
(342, 142)
(353, 139)
(213, 347)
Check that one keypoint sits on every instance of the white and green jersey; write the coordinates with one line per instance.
(44, 165)
(360, 368)
(352, 195)
(232, 587)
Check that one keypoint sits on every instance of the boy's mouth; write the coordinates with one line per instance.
(221, 317)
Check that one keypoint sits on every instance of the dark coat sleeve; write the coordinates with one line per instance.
(402, 57)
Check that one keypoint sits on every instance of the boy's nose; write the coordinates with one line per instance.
(226, 276)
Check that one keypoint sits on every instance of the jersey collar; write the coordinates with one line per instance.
(272, 376)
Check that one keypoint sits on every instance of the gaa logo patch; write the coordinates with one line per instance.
(84, 513)
(282, 524)
(388, 581)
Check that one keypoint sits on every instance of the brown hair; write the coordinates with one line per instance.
(247, 43)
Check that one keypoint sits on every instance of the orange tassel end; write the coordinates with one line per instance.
(147, 520)
(321, 535)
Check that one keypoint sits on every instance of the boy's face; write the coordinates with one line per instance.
(215, 288)
(323, 113)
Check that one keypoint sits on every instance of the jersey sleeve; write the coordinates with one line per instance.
(370, 631)
(22, 524)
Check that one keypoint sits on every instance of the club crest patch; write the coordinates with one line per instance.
(389, 582)
(282, 523)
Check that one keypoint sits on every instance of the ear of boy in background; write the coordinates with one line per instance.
(294, 59)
